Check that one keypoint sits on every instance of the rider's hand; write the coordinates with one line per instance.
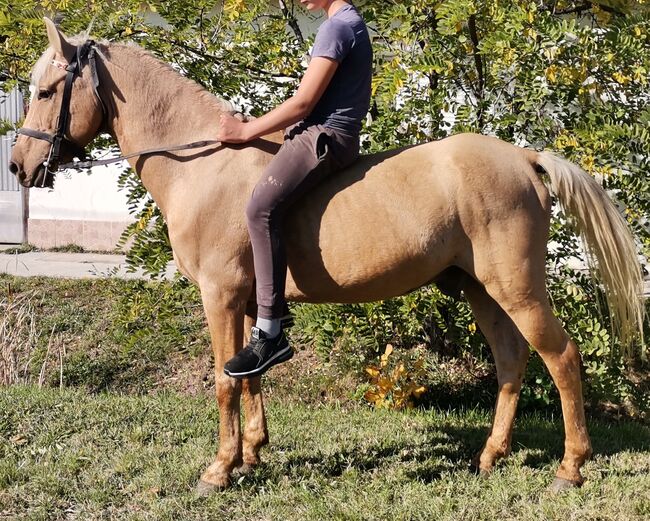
(231, 130)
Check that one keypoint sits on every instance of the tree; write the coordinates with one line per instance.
(571, 76)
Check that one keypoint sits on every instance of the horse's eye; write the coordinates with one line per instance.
(44, 94)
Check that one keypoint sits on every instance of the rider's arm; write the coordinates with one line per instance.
(312, 86)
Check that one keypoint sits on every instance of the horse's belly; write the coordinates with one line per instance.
(387, 232)
(362, 266)
(371, 286)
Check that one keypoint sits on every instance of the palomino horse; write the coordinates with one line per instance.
(469, 212)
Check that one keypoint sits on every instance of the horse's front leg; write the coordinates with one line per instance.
(256, 434)
(225, 313)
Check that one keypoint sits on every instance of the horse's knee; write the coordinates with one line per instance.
(228, 390)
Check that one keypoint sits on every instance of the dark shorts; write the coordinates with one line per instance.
(309, 154)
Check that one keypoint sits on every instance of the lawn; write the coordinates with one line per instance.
(67, 454)
(135, 424)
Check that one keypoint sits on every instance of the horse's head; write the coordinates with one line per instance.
(44, 140)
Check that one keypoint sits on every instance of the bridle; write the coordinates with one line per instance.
(86, 50)
(56, 140)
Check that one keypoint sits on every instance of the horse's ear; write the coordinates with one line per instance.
(58, 41)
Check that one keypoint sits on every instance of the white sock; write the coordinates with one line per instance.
(270, 326)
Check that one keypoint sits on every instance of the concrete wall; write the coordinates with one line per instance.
(83, 209)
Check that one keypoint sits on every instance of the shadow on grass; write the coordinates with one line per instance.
(449, 449)
(543, 442)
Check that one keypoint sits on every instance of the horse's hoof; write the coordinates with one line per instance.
(243, 470)
(561, 484)
(483, 473)
(205, 488)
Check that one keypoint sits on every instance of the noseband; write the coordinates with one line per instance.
(73, 69)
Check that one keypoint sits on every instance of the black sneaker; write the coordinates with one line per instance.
(260, 354)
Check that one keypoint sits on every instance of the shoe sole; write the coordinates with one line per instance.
(282, 356)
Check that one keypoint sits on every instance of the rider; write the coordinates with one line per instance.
(324, 120)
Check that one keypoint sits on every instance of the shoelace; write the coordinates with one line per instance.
(259, 345)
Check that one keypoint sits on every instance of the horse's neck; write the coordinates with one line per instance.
(152, 106)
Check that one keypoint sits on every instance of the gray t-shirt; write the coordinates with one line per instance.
(344, 37)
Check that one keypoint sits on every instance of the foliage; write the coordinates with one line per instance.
(146, 239)
(566, 75)
(392, 385)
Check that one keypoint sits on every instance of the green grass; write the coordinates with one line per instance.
(69, 455)
(26, 247)
(122, 441)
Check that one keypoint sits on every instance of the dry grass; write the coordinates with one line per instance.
(19, 335)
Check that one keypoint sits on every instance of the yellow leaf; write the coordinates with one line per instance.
(419, 391)
(384, 357)
(371, 396)
(385, 384)
(588, 162)
(472, 327)
(373, 371)
(551, 73)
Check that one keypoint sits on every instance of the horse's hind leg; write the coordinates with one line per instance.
(510, 351)
(521, 292)
(255, 430)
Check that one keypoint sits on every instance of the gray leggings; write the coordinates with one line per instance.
(309, 153)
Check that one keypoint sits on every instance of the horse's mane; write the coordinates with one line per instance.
(172, 75)
(154, 64)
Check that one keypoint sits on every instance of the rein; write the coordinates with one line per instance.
(73, 69)
(99, 162)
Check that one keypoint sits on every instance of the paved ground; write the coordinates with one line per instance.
(68, 265)
(83, 265)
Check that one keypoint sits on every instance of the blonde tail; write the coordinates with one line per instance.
(607, 239)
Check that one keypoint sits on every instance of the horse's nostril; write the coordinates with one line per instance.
(14, 168)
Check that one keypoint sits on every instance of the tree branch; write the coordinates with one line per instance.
(434, 77)
(292, 21)
(212, 57)
(576, 9)
(478, 60)
(586, 6)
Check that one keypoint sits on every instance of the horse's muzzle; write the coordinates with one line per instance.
(42, 177)
(17, 170)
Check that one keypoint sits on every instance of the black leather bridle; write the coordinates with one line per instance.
(58, 139)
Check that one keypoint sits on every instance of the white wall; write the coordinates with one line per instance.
(83, 209)
(81, 196)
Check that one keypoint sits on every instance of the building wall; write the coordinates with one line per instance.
(86, 210)
(13, 198)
